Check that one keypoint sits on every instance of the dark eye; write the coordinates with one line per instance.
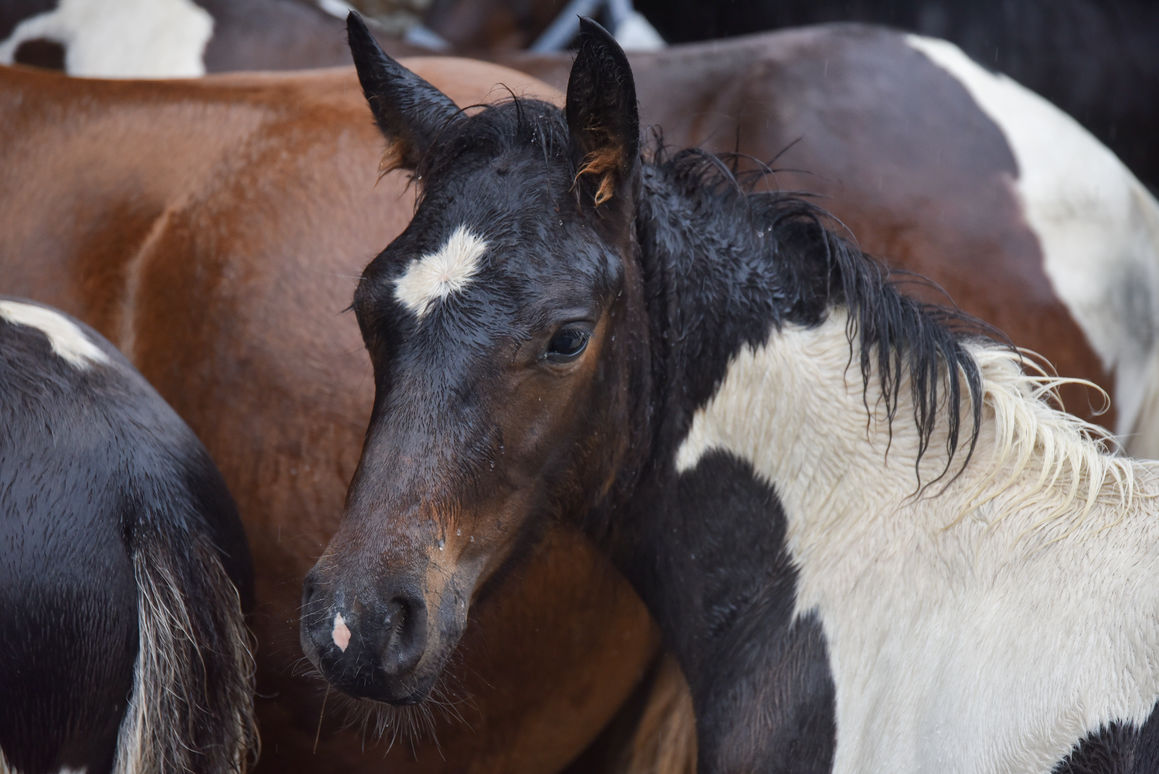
(567, 344)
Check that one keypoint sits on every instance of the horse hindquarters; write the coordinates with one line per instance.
(69, 642)
(122, 640)
(154, 643)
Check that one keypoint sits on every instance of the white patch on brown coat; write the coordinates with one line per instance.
(1098, 228)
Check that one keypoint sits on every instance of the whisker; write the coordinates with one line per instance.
(321, 715)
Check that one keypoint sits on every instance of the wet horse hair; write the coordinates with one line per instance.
(124, 571)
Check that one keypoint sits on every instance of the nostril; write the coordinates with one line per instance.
(405, 622)
(397, 612)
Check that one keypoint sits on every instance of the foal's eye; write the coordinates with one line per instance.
(567, 344)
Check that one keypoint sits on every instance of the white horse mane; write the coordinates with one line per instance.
(1074, 463)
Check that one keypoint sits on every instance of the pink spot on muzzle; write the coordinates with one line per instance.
(341, 633)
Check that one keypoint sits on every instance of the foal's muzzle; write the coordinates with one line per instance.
(368, 643)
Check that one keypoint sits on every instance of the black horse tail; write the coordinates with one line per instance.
(191, 707)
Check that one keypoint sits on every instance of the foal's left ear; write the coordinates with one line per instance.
(602, 117)
(408, 110)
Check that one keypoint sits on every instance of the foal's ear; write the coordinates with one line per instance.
(408, 110)
(601, 116)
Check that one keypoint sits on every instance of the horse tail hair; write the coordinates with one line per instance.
(664, 740)
(191, 707)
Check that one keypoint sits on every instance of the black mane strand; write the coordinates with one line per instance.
(814, 269)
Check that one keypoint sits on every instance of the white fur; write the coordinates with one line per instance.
(67, 340)
(1099, 232)
(122, 39)
(437, 275)
(984, 625)
(336, 8)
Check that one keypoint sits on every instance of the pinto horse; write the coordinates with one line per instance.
(234, 214)
(867, 538)
(125, 647)
(1095, 60)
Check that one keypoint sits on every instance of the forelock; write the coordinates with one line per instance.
(524, 126)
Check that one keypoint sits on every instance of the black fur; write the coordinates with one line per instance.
(1116, 749)
(715, 573)
(103, 487)
(404, 105)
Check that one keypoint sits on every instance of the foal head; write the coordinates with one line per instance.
(504, 325)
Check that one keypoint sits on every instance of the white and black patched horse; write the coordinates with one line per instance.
(123, 568)
(866, 534)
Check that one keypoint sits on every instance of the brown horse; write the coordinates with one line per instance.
(214, 230)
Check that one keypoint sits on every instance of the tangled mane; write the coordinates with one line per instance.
(797, 244)
(946, 356)
(1075, 465)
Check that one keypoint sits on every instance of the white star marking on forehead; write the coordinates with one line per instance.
(439, 274)
(67, 340)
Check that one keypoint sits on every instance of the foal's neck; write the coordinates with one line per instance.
(708, 549)
(764, 417)
(785, 519)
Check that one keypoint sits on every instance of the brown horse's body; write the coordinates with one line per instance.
(215, 230)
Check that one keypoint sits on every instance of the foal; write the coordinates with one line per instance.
(122, 642)
(866, 536)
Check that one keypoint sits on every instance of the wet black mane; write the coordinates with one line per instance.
(815, 269)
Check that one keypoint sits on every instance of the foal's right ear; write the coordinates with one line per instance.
(408, 110)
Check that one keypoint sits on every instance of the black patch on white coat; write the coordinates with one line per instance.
(761, 682)
(1116, 748)
(13, 12)
(40, 52)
